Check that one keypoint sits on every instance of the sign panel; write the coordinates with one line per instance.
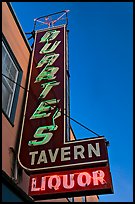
(43, 144)
(44, 117)
(87, 181)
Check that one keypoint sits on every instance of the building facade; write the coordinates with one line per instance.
(16, 58)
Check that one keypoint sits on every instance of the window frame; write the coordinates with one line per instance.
(16, 90)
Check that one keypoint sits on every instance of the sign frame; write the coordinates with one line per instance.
(56, 145)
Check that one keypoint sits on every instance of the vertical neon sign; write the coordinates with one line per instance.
(44, 120)
(43, 144)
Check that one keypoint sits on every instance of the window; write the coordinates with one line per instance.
(83, 199)
(11, 74)
(71, 199)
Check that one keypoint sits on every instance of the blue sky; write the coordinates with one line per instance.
(101, 77)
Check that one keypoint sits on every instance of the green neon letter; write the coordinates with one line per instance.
(46, 136)
(44, 49)
(49, 35)
(47, 73)
(39, 134)
(56, 115)
(44, 109)
(47, 87)
(48, 59)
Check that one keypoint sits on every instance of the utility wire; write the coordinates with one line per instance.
(61, 111)
(83, 126)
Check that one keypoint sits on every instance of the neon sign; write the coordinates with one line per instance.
(73, 182)
(43, 144)
(46, 100)
(47, 75)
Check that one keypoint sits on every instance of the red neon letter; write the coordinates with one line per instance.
(65, 181)
(87, 179)
(33, 185)
(98, 176)
(50, 182)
